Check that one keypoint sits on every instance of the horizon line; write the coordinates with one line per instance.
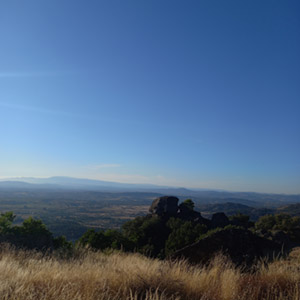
(147, 184)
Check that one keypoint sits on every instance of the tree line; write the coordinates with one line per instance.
(150, 235)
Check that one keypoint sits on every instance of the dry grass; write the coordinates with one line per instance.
(28, 275)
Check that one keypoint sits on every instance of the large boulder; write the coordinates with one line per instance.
(164, 206)
(241, 245)
(219, 220)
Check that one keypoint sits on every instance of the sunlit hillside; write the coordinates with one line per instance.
(95, 275)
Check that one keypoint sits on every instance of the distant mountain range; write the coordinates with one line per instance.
(198, 195)
(72, 183)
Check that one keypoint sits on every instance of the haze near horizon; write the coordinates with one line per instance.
(201, 94)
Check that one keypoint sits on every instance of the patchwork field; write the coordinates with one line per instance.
(72, 213)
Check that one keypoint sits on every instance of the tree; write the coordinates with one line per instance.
(93, 239)
(33, 234)
(241, 220)
(61, 243)
(266, 222)
(35, 227)
(6, 220)
(109, 239)
(117, 240)
(148, 234)
(188, 203)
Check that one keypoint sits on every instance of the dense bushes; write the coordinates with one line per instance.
(241, 220)
(105, 239)
(148, 234)
(32, 234)
(280, 222)
(182, 234)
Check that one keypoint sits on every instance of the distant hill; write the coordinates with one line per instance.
(76, 183)
(26, 185)
(230, 209)
(292, 209)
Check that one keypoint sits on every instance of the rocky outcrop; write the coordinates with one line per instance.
(242, 246)
(164, 206)
(167, 206)
(219, 220)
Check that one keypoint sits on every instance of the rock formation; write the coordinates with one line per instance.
(167, 206)
(241, 245)
(219, 220)
(164, 206)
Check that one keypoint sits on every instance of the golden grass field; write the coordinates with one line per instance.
(95, 275)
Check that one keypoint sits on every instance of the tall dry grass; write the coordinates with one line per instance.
(90, 275)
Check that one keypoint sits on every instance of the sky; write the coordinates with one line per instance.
(202, 94)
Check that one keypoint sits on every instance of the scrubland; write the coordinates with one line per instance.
(96, 275)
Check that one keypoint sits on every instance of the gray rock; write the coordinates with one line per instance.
(164, 206)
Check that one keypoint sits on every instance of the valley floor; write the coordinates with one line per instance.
(94, 275)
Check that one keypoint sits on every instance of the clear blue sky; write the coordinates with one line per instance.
(186, 93)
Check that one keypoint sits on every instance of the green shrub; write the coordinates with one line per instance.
(182, 234)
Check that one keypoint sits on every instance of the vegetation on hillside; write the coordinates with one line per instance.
(157, 236)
